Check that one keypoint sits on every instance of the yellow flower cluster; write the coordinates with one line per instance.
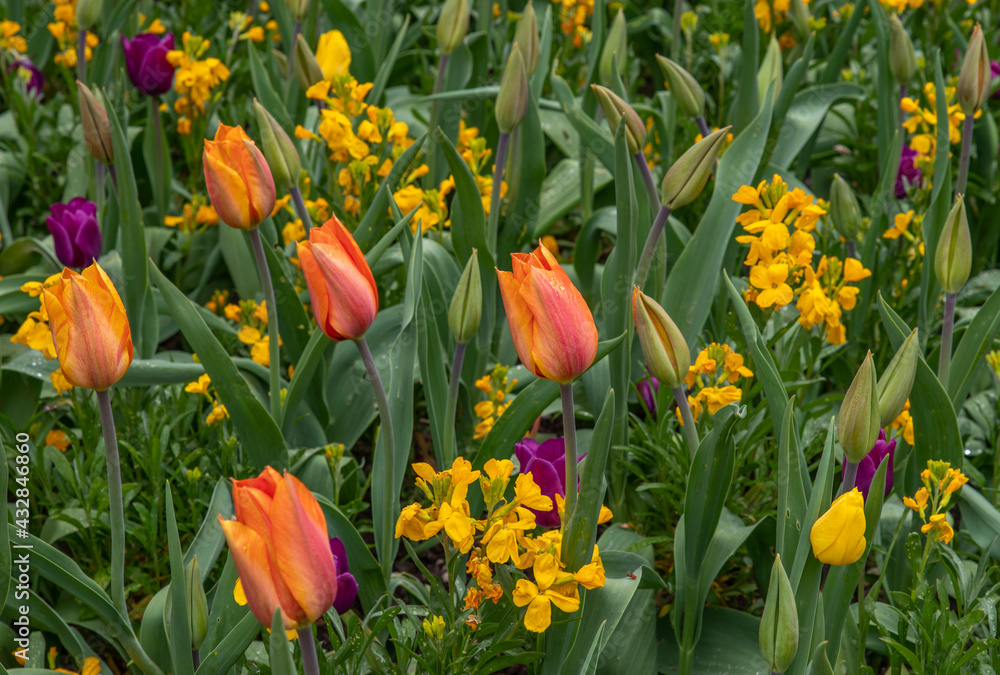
(779, 230)
(64, 30)
(36, 334)
(496, 387)
(904, 421)
(198, 214)
(717, 364)
(194, 79)
(770, 12)
(203, 386)
(9, 38)
(922, 123)
(940, 482)
(505, 538)
(573, 16)
(252, 319)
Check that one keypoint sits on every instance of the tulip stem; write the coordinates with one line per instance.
(115, 504)
(850, 476)
(944, 359)
(903, 93)
(449, 449)
(963, 161)
(569, 433)
(300, 207)
(81, 56)
(196, 658)
(646, 259)
(498, 170)
(690, 430)
(702, 126)
(310, 663)
(161, 179)
(647, 180)
(385, 532)
(273, 338)
(852, 249)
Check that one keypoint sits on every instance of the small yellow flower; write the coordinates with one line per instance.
(200, 386)
(58, 439)
(434, 627)
(217, 414)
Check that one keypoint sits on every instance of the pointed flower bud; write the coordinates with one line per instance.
(279, 150)
(298, 8)
(88, 12)
(526, 36)
(304, 65)
(512, 101)
(197, 604)
(282, 61)
(467, 305)
(96, 128)
(615, 108)
(615, 51)
(663, 345)
(683, 87)
(779, 626)
(902, 58)
(896, 382)
(974, 78)
(452, 25)
(838, 536)
(687, 176)
(844, 208)
(953, 257)
(859, 417)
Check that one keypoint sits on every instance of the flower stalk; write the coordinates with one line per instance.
(646, 259)
(503, 142)
(647, 180)
(963, 162)
(272, 324)
(947, 329)
(117, 510)
(310, 662)
(569, 433)
(450, 448)
(690, 430)
(300, 207)
(850, 475)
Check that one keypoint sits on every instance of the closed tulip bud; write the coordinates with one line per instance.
(279, 150)
(305, 67)
(663, 346)
(779, 626)
(282, 62)
(838, 536)
(238, 179)
(615, 51)
(553, 330)
(298, 8)
(452, 25)
(683, 87)
(953, 257)
(896, 382)
(467, 305)
(88, 12)
(974, 78)
(615, 108)
(96, 127)
(197, 604)
(801, 17)
(341, 286)
(89, 328)
(902, 58)
(844, 208)
(859, 418)
(512, 101)
(687, 176)
(526, 37)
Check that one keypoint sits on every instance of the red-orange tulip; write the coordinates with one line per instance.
(552, 327)
(281, 548)
(341, 285)
(89, 328)
(239, 181)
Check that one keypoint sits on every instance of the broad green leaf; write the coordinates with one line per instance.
(728, 644)
(747, 99)
(387, 63)
(158, 164)
(281, 660)
(525, 180)
(371, 224)
(178, 625)
(594, 136)
(305, 378)
(561, 192)
(835, 61)
(209, 540)
(588, 246)
(236, 252)
(792, 503)
(153, 630)
(232, 647)
(805, 115)
(887, 118)
(975, 342)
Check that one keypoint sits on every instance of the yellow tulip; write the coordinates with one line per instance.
(838, 536)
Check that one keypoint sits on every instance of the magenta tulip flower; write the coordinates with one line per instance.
(546, 462)
(870, 463)
(34, 80)
(347, 585)
(75, 233)
(146, 62)
(909, 170)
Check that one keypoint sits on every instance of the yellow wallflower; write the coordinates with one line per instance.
(551, 587)
(195, 78)
(217, 414)
(58, 439)
(496, 386)
(199, 386)
(9, 38)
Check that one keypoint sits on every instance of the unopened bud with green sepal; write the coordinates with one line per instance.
(779, 626)
(279, 150)
(859, 418)
(663, 346)
(452, 25)
(298, 8)
(683, 87)
(844, 209)
(96, 126)
(974, 78)
(902, 58)
(305, 67)
(512, 101)
(953, 256)
(467, 305)
(615, 107)
(687, 176)
(526, 37)
(88, 12)
(896, 382)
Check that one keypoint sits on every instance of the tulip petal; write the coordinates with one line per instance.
(249, 551)
(252, 508)
(519, 318)
(225, 188)
(259, 183)
(351, 308)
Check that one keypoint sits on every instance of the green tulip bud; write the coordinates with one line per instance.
(902, 58)
(282, 61)
(298, 8)
(279, 150)
(304, 65)
(197, 605)
(452, 25)
(87, 13)
(779, 626)
(683, 87)
(467, 304)
(96, 126)
(844, 209)
(800, 15)
(687, 176)
(614, 109)
(526, 37)
(615, 51)
(663, 346)
(974, 78)
(859, 417)
(953, 257)
(896, 382)
(512, 101)
(771, 70)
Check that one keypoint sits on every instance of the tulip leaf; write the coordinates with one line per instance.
(977, 339)
(209, 540)
(258, 433)
(232, 647)
(265, 91)
(236, 252)
(281, 660)
(748, 99)
(308, 365)
(371, 224)
(525, 178)
(805, 115)
(179, 625)
(791, 492)
(158, 164)
(153, 630)
(594, 136)
(387, 63)
(469, 226)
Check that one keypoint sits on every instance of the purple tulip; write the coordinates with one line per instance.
(994, 74)
(146, 61)
(907, 169)
(34, 80)
(347, 585)
(546, 462)
(648, 389)
(75, 233)
(869, 465)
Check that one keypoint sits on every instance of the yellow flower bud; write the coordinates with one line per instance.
(859, 418)
(683, 87)
(779, 626)
(953, 256)
(614, 108)
(687, 176)
(838, 536)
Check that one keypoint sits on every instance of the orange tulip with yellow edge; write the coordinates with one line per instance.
(281, 547)
(552, 327)
(89, 328)
(838, 536)
(238, 179)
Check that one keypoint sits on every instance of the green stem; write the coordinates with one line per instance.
(685, 660)
(300, 207)
(161, 180)
(675, 39)
(851, 477)
(944, 359)
(646, 259)
(569, 434)
(963, 161)
(690, 430)
(117, 510)
(99, 189)
(702, 126)
(81, 55)
(449, 448)
(647, 180)
(310, 663)
(272, 323)
(498, 170)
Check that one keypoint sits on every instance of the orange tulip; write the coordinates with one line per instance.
(89, 328)
(239, 181)
(281, 548)
(552, 327)
(341, 286)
